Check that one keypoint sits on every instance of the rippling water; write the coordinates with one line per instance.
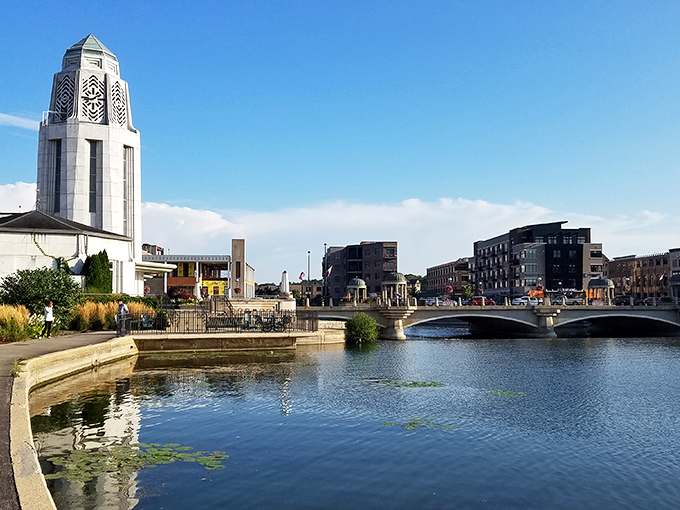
(558, 424)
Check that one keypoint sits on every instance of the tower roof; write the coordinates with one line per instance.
(90, 53)
(90, 44)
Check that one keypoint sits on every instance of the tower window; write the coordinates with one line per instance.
(94, 164)
(56, 150)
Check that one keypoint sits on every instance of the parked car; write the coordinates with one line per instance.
(478, 300)
(664, 300)
(526, 300)
(566, 300)
(623, 300)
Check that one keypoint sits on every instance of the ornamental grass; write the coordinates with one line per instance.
(13, 323)
(98, 316)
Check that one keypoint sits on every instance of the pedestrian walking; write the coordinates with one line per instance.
(49, 319)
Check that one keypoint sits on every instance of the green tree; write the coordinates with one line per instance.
(467, 292)
(97, 274)
(361, 328)
(33, 288)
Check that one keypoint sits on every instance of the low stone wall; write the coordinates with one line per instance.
(30, 483)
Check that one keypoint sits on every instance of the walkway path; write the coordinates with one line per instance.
(9, 499)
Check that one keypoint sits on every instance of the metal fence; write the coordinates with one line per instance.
(197, 320)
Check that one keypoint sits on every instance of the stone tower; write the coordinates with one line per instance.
(89, 152)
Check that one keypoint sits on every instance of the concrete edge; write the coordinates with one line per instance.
(28, 478)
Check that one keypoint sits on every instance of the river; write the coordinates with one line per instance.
(433, 422)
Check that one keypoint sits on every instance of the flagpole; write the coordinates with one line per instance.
(323, 275)
(309, 278)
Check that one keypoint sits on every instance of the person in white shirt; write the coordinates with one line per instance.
(49, 319)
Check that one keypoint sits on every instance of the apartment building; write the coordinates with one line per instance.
(454, 274)
(369, 261)
(535, 257)
(644, 276)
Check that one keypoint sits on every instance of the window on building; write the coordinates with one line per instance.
(530, 268)
(581, 240)
(556, 268)
(390, 251)
(572, 268)
(128, 155)
(595, 254)
(568, 240)
(557, 254)
(539, 239)
(367, 251)
(596, 268)
(377, 263)
(56, 150)
(390, 266)
(572, 254)
(94, 165)
(552, 240)
(530, 254)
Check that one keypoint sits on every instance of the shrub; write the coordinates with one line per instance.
(33, 288)
(97, 273)
(361, 328)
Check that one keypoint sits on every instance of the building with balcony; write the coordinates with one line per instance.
(534, 258)
(368, 261)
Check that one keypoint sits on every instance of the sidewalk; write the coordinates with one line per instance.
(18, 351)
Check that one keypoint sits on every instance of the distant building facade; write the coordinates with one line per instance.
(369, 261)
(455, 273)
(541, 256)
(644, 276)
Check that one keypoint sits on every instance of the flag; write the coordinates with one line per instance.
(662, 276)
(302, 275)
(328, 273)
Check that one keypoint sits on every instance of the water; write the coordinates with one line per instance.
(559, 424)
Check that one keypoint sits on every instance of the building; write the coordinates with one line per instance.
(89, 176)
(534, 258)
(368, 261)
(454, 274)
(644, 276)
(204, 275)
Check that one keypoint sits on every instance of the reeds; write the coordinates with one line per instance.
(98, 316)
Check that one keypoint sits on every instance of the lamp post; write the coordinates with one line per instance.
(324, 275)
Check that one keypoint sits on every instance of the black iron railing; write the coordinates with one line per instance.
(202, 321)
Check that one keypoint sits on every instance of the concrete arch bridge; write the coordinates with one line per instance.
(543, 321)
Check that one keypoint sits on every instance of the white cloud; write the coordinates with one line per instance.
(11, 120)
(16, 197)
(428, 233)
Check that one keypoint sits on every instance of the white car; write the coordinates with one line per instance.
(526, 301)
(565, 300)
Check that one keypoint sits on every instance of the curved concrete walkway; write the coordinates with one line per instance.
(9, 353)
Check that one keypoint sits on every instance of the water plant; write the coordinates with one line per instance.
(503, 393)
(411, 384)
(84, 465)
(419, 423)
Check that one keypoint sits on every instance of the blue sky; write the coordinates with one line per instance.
(430, 123)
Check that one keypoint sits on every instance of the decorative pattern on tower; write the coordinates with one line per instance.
(118, 104)
(93, 100)
(64, 98)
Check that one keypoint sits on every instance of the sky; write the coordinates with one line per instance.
(431, 123)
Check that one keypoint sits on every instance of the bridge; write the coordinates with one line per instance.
(542, 321)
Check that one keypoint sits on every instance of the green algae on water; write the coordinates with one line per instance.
(84, 465)
(419, 423)
(502, 393)
(411, 384)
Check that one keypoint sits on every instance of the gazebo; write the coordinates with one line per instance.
(357, 289)
(394, 287)
(600, 289)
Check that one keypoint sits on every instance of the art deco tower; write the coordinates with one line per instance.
(88, 157)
